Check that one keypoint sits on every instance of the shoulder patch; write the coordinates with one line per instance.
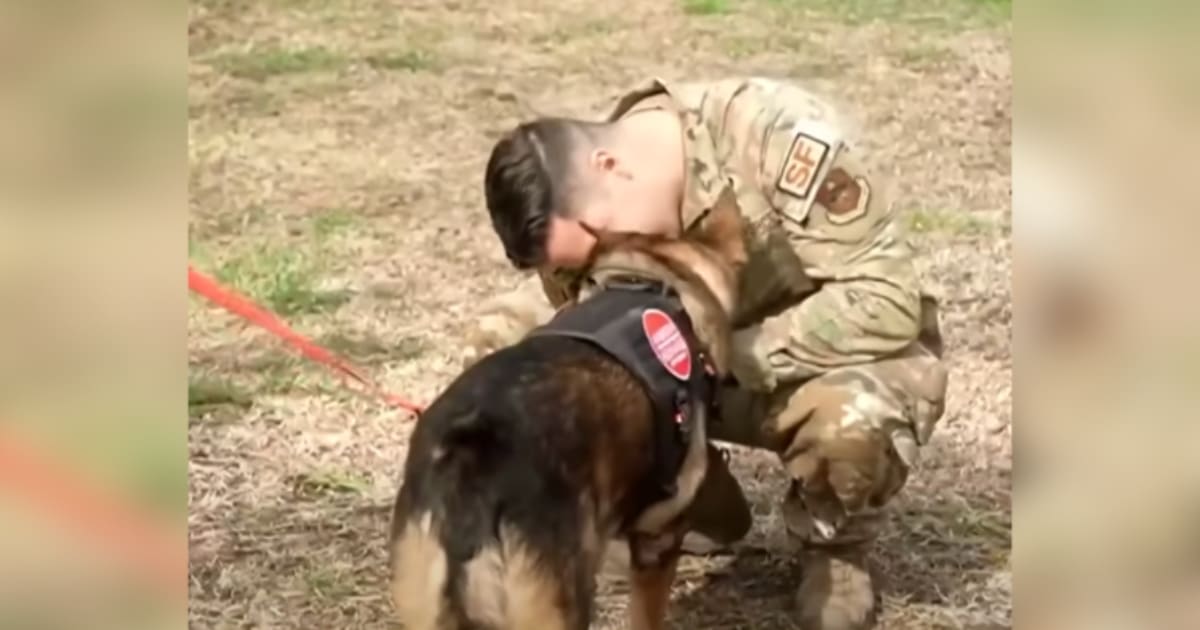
(801, 165)
(668, 343)
(844, 197)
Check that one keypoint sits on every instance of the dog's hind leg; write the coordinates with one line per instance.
(509, 590)
(419, 570)
(508, 586)
(535, 597)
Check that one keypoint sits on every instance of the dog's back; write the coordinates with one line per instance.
(498, 524)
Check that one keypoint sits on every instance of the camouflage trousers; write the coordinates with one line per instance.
(844, 388)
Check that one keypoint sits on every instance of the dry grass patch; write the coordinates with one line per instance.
(262, 64)
(950, 15)
(368, 347)
(407, 60)
(318, 483)
(334, 222)
(926, 57)
(206, 393)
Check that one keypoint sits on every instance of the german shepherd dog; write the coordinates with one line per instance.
(540, 453)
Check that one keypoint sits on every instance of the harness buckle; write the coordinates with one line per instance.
(631, 282)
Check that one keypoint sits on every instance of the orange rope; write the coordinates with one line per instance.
(247, 310)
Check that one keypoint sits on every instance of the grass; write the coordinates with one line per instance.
(743, 46)
(330, 584)
(280, 371)
(333, 222)
(576, 31)
(949, 222)
(409, 60)
(331, 481)
(238, 101)
(275, 372)
(366, 346)
(705, 7)
(280, 376)
(218, 401)
(925, 56)
(949, 14)
(283, 279)
(206, 392)
(265, 63)
(238, 222)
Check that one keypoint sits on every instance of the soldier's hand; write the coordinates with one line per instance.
(746, 362)
(504, 320)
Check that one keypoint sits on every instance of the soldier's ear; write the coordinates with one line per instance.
(602, 159)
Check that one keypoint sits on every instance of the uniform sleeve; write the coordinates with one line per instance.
(798, 152)
(784, 137)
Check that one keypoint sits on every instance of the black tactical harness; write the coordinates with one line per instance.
(621, 319)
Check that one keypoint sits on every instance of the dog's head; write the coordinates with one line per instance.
(702, 266)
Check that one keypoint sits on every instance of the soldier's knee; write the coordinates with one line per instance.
(914, 384)
(879, 412)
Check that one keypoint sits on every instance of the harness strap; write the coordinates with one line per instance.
(642, 324)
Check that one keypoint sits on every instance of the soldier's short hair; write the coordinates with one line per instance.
(529, 176)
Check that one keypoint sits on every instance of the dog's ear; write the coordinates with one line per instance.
(722, 229)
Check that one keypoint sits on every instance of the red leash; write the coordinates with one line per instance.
(247, 310)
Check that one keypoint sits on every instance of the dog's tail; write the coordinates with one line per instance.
(456, 565)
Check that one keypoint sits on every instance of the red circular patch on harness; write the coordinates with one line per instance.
(668, 343)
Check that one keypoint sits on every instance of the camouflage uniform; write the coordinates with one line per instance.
(838, 364)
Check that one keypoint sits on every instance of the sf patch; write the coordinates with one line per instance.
(801, 165)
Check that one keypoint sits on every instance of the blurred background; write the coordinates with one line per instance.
(93, 452)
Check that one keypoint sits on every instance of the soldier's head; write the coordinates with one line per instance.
(551, 183)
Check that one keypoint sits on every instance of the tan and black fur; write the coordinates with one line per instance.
(537, 455)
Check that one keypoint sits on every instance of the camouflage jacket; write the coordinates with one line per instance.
(812, 213)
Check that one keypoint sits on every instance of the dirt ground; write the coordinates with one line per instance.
(336, 154)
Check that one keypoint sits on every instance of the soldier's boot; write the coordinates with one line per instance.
(836, 591)
(843, 458)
